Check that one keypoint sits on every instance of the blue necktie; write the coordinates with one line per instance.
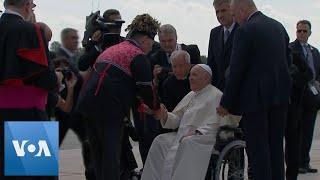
(226, 35)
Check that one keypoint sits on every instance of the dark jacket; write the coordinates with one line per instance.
(219, 54)
(160, 57)
(259, 74)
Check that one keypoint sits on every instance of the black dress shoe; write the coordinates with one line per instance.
(307, 169)
(311, 170)
(302, 171)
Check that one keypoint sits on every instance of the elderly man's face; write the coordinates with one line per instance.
(168, 42)
(238, 13)
(199, 78)
(224, 15)
(180, 67)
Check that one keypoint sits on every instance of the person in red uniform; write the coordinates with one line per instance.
(121, 74)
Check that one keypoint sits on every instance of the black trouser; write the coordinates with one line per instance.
(21, 115)
(78, 124)
(105, 141)
(292, 135)
(264, 132)
(147, 129)
(307, 128)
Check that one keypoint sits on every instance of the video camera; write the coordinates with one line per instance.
(95, 22)
(61, 64)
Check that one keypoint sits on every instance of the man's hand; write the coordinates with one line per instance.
(96, 36)
(72, 81)
(157, 70)
(59, 77)
(162, 113)
(222, 111)
(145, 109)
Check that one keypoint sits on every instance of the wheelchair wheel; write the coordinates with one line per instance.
(232, 163)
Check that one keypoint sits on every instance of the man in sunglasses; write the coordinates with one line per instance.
(310, 104)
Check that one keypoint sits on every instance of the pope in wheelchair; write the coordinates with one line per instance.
(185, 154)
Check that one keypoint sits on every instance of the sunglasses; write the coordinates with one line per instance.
(300, 31)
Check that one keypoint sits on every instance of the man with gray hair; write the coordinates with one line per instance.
(176, 86)
(168, 42)
(70, 42)
(220, 43)
(25, 77)
(258, 87)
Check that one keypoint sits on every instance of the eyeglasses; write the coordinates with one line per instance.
(300, 31)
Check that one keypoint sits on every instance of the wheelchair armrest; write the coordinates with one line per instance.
(227, 134)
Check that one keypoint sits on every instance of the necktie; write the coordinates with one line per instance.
(309, 58)
(226, 35)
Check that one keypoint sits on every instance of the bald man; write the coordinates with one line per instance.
(46, 30)
(174, 156)
(176, 86)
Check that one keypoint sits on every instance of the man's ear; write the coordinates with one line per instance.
(310, 33)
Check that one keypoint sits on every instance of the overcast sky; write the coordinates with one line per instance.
(193, 19)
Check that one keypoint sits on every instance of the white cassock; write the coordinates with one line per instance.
(170, 158)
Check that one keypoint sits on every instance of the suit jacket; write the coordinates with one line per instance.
(160, 57)
(296, 47)
(259, 75)
(309, 100)
(219, 54)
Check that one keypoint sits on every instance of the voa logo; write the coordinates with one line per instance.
(41, 148)
(31, 148)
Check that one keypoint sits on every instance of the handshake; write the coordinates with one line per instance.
(159, 114)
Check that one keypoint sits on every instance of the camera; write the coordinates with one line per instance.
(95, 22)
(67, 74)
(61, 64)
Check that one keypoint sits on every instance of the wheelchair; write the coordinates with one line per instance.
(229, 160)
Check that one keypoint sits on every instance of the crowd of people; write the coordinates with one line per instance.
(162, 95)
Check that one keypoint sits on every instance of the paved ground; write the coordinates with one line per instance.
(71, 166)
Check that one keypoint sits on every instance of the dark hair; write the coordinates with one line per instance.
(110, 12)
(60, 60)
(16, 3)
(143, 24)
(304, 22)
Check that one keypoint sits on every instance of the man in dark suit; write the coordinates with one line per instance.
(220, 43)
(258, 87)
(312, 57)
(70, 42)
(301, 74)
